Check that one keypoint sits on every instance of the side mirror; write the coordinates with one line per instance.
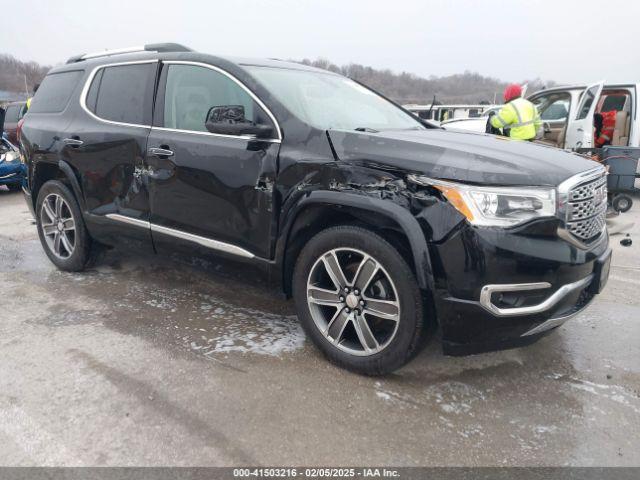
(230, 120)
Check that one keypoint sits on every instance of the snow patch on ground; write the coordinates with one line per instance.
(261, 333)
(614, 393)
(455, 397)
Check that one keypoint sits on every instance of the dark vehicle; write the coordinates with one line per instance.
(14, 112)
(380, 226)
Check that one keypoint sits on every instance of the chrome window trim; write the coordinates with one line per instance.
(241, 85)
(87, 86)
(563, 291)
(204, 241)
(196, 132)
(562, 196)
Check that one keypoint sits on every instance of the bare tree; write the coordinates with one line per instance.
(14, 73)
(404, 87)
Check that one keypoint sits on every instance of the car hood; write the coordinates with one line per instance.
(464, 157)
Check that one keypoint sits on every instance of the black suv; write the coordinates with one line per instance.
(379, 225)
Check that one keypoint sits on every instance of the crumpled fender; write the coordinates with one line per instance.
(377, 206)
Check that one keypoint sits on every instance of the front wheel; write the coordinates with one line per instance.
(61, 228)
(358, 300)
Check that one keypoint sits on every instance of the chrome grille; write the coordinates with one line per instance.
(587, 208)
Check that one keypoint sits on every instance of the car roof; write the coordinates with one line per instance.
(216, 60)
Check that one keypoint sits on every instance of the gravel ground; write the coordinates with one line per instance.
(149, 361)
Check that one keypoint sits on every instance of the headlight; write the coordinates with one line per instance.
(495, 206)
(12, 157)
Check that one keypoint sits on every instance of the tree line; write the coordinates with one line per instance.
(17, 76)
(467, 87)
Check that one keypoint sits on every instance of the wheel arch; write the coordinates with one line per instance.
(62, 171)
(322, 209)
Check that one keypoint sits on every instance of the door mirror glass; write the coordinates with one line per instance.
(230, 120)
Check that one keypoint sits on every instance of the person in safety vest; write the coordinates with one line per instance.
(518, 115)
(605, 124)
(35, 89)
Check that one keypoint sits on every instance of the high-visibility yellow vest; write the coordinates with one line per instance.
(521, 116)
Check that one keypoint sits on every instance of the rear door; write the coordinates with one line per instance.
(106, 144)
(580, 128)
(206, 189)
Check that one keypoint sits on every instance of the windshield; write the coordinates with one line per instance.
(328, 101)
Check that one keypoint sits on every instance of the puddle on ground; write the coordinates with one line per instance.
(208, 308)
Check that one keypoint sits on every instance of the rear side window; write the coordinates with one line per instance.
(12, 115)
(614, 103)
(54, 92)
(123, 93)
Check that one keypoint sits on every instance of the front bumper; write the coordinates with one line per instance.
(497, 289)
(11, 173)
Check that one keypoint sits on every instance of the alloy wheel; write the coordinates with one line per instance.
(58, 226)
(353, 301)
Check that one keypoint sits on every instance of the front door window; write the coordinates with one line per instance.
(191, 91)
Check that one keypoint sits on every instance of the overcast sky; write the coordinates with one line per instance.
(563, 40)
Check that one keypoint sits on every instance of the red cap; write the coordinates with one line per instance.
(512, 91)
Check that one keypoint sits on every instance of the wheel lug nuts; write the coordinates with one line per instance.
(346, 289)
(362, 302)
(348, 310)
(342, 299)
(356, 292)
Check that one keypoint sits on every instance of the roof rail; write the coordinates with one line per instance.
(151, 47)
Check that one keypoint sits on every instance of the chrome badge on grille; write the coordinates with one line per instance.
(582, 206)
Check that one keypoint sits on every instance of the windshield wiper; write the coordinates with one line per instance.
(367, 129)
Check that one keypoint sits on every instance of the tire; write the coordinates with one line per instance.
(74, 254)
(333, 318)
(622, 203)
(14, 187)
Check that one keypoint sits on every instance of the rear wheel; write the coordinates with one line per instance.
(358, 300)
(61, 228)
(622, 203)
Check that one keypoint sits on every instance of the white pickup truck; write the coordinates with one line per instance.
(567, 114)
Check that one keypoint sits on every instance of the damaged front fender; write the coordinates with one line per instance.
(384, 208)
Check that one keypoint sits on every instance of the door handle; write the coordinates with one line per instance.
(160, 152)
(73, 142)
